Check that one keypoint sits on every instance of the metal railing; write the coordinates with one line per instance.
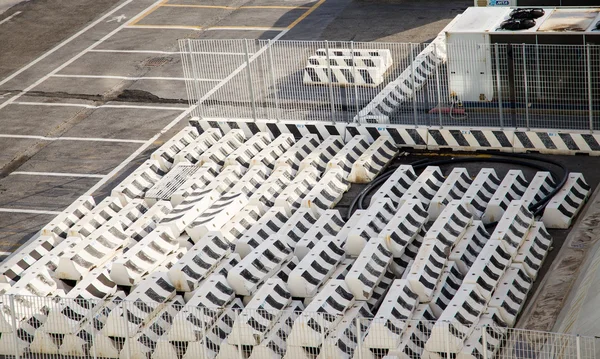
(459, 84)
(166, 328)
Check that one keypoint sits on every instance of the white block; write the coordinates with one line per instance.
(492, 262)
(404, 226)
(329, 223)
(368, 270)
(467, 249)
(244, 154)
(446, 289)
(397, 184)
(427, 269)
(99, 215)
(327, 192)
(373, 160)
(511, 188)
(564, 206)
(269, 155)
(192, 152)
(272, 187)
(510, 295)
(215, 217)
(198, 181)
(481, 190)
(297, 226)
(236, 227)
(513, 226)
(534, 249)
(138, 182)
(298, 152)
(370, 225)
(165, 154)
(59, 225)
(265, 228)
(345, 158)
(321, 155)
(539, 187)
(293, 194)
(425, 186)
(451, 224)
(170, 183)
(454, 187)
(218, 152)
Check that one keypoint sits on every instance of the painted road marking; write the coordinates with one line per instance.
(56, 174)
(64, 104)
(30, 211)
(10, 17)
(132, 78)
(118, 18)
(85, 139)
(159, 52)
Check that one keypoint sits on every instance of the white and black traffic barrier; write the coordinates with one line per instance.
(350, 153)
(467, 249)
(329, 223)
(217, 215)
(147, 222)
(22, 339)
(373, 160)
(272, 187)
(284, 272)
(265, 228)
(481, 190)
(192, 152)
(416, 334)
(534, 249)
(474, 345)
(489, 267)
(269, 155)
(293, 194)
(165, 154)
(427, 269)
(298, 152)
(274, 346)
(166, 187)
(226, 145)
(327, 192)
(342, 341)
(261, 314)
(144, 257)
(380, 290)
(368, 269)
(200, 200)
(451, 224)
(370, 225)
(446, 289)
(393, 316)
(203, 176)
(510, 295)
(513, 227)
(350, 60)
(404, 226)
(564, 206)
(243, 155)
(201, 310)
(453, 188)
(102, 245)
(342, 75)
(259, 265)
(383, 54)
(425, 186)
(297, 226)
(199, 262)
(13, 268)
(540, 186)
(323, 313)
(59, 226)
(511, 188)
(99, 215)
(316, 267)
(410, 253)
(138, 182)
(153, 291)
(396, 185)
(458, 320)
(236, 227)
(322, 154)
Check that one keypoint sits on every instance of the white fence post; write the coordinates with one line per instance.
(438, 87)
(330, 79)
(275, 95)
(354, 77)
(578, 347)
(499, 86)
(525, 88)
(239, 332)
(11, 299)
(127, 346)
(249, 80)
(589, 87)
(358, 338)
(484, 338)
(414, 89)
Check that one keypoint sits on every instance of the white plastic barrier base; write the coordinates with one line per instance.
(316, 267)
(327, 192)
(297, 226)
(534, 250)
(99, 215)
(404, 227)
(330, 223)
(165, 154)
(541, 185)
(218, 152)
(454, 187)
(291, 197)
(492, 262)
(513, 226)
(511, 294)
(244, 154)
(373, 160)
(342, 341)
(266, 227)
(59, 226)
(369, 226)
(272, 187)
(446, 289)
(350, 153)
(269, 155)
(275, 343)
(467, 249)
(368, 270)
(564, 206)
(203, 176)
(427, 269)
(425, 186)
(415, 336)
(511, 188)
(217, 215)
(138, 182)
(237, 226)
(392, 318)
(480, 192)
(321, 155)
(396, 185)
(298, 152)
(451, 224)
(194, 150)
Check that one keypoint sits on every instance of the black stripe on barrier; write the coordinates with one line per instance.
(460, 139)
(546, 140)
(502, 139)
(569, 141)
(480, 138)
(437, 137)
(591, 142)
(313, 74)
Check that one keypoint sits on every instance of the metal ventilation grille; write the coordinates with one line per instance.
(165, 188)
(157, 61)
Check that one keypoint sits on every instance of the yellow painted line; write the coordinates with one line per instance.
(274, 7)
(259, 28)
(200, 6)
(236, 8)
(172, 27)
(147, 12)
(308, 12)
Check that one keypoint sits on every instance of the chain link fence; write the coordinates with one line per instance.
(459, 84)
(42, 327)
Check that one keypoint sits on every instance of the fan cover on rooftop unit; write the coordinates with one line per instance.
(527, 13)
(514, 24)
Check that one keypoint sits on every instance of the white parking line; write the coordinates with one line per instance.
(31, 211)
(170, 52)
(133, 78)
(183, 115)
(90, 139)
(74, 58)
(10, 17)
(62, 104)
(56, 174)
(76, 35)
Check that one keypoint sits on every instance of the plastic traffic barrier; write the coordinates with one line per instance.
(370, 225)
(258, 266)
(322, 154)
(381, 290)
(261, 314)
(327, 192)
(293, 194)
(170, 183)
(297, 226)
(467, 249)
(203, 176)
(266, 227)
(540, 186)
(412, 342)
(404, 226)
(345, 158)
(330, 223)
(513, 226)
(492, 262)
(373, 160)
(564, 206)
(446, 289)
(138, 182)
(534, 249)
(298, 152)
(451, 224)
(199, 262)
(511, 188)
(397, 184)
(272, 187)
(192, 152)
(243, 155)
(342, 341)
(510, 296)
(275, 344)
(368, 269)
(165, 154)
(218, 152)
(217, 215)
(236, 227)
(59, 226)
(392, 317)
(316, 267)
(21, 340)
(425, 186)
(480, 192)
(453, 188)
(427, 269)
(147, 222)
(99, 215)
(383, 54)
(269, 155)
